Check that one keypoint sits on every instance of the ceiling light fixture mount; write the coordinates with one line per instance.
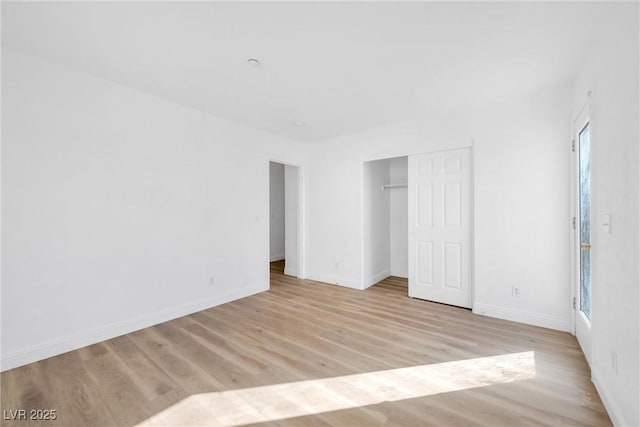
(298, 123)
(253, 62)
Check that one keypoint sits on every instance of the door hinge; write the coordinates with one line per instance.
(573, 222)
(574, 303)
(573, 145)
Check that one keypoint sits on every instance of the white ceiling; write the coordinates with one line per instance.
(339, 67)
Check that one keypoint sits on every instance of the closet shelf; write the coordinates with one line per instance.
(389, 186)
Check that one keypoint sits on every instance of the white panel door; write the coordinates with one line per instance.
(440, 227)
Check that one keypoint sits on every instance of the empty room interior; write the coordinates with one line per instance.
(320, 213)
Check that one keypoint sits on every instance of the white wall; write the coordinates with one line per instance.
(375, 222)
(399, 218)
(521, 195)
(611, 75)
(118, 208)
(276, 214)
(291, 218)
(333, 243)
(521, 163)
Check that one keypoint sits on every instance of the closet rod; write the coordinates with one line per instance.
(388, 186)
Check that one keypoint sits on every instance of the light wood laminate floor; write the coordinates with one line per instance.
(306, 353)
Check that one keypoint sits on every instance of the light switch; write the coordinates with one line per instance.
(606, 223)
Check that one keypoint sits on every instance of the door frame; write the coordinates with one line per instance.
(583, 117)
(301, 213)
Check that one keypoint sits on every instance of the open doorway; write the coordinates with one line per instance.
(284, 219)
(385, 241)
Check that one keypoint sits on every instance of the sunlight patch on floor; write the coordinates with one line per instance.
(288, 400)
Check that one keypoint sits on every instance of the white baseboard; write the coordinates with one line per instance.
(521, 316)
(276, 258)
(609, 403)
(72, 342)
(372, 280)
(290, 271)
(334, 280)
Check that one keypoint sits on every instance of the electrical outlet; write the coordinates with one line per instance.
(211, 281)
(337, 265)
(515, 291)
(614, 361)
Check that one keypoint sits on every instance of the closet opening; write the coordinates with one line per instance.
(385, 220)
